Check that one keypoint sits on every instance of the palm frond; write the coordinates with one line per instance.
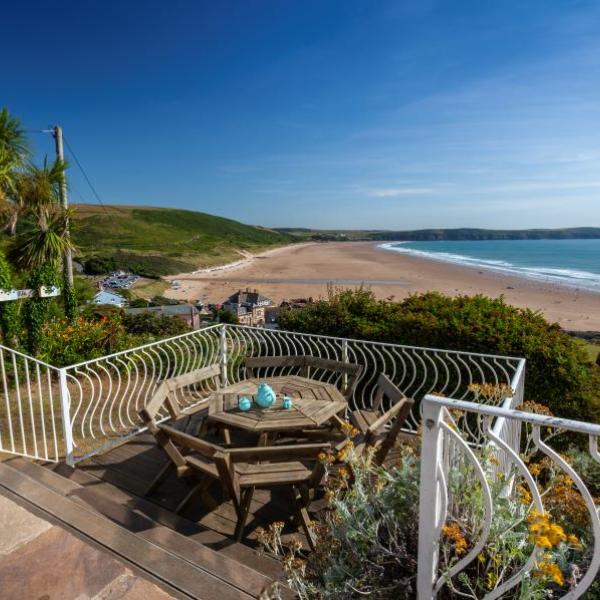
(46, 245)
(13, 138)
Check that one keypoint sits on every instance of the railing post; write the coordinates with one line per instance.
(65, 406)
(345, 359)
(223, 356)
(429, 500)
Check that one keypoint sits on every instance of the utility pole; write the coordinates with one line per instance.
(64, 199)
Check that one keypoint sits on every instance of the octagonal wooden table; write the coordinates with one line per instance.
(314, 403)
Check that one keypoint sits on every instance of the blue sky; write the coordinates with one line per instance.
(370, 114)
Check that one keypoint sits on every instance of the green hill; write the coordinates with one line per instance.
(162, 241)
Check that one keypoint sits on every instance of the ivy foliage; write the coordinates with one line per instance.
(558, 374)
(37, 309)
(69, 300)
(9, 311)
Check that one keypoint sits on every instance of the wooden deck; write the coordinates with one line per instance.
(190, 555)
(134, 465)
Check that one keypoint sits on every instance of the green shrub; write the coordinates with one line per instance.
(163, 301)
(227, 316)
(558, 373)
(138, 303)
(9, 311)
(99, 265)
(153, 324)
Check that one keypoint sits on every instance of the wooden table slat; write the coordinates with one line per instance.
(314, 403)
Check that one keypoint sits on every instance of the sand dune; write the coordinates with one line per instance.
(305, 270)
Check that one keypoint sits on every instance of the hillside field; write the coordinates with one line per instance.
(163, 241)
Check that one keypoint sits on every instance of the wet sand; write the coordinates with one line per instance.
(307, 269)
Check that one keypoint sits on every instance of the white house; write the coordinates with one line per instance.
(104, 297)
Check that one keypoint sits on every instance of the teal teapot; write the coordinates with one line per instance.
(265, 396)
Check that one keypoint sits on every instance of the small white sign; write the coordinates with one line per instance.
(49, 292)
(14, 295)
(45, 292)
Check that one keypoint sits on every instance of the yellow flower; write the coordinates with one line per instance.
(345, 450)
(535, 469)
(542, 541)
(455, 535)
(524, 494)
(550, 570)
(343, 473)
(349, 430)
(543, 532)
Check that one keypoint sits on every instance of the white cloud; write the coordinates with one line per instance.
(395, 192)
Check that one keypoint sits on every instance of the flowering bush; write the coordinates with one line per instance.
(65, 344)
(367, 537)
(367, 540)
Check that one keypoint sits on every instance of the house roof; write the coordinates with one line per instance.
(105, 297)
(247, 297)
(170, 310)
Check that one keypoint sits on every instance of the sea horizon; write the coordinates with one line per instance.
(573, 263)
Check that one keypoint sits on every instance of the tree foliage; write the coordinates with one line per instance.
(9, 311)
(151, 323)
(37, 309)
(558, 371)
(224, 315)
(14, 152)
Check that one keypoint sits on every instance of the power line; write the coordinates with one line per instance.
(96, 195)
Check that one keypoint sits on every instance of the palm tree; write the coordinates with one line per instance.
(12, 137)
(45, 242)
(14, 153)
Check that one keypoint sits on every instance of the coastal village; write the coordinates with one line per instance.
(246, 306)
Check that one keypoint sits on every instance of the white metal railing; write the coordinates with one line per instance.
(105, 394)
(441, 439)
(94, 404)
(32, 420)
(416, 371)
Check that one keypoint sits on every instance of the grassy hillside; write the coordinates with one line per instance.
(162, 241)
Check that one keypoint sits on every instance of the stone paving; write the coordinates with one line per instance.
(41, 561)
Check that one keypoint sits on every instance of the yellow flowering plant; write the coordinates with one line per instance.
(367, 538)
(517, 531)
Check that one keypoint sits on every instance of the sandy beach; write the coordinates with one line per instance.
(306, 269)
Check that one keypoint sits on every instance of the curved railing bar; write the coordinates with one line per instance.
(31, 412)
(461, 360)
(126, 394)
(408, 386)
(488, 508)
(96, 396)
(594, 565)
(109, 401)
(372, 380)
(516, 578)
(51, 397)
(41, 405)
(101, 396)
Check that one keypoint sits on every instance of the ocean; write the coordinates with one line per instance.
(574, 263)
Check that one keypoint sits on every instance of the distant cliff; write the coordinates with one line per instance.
(428, 235)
